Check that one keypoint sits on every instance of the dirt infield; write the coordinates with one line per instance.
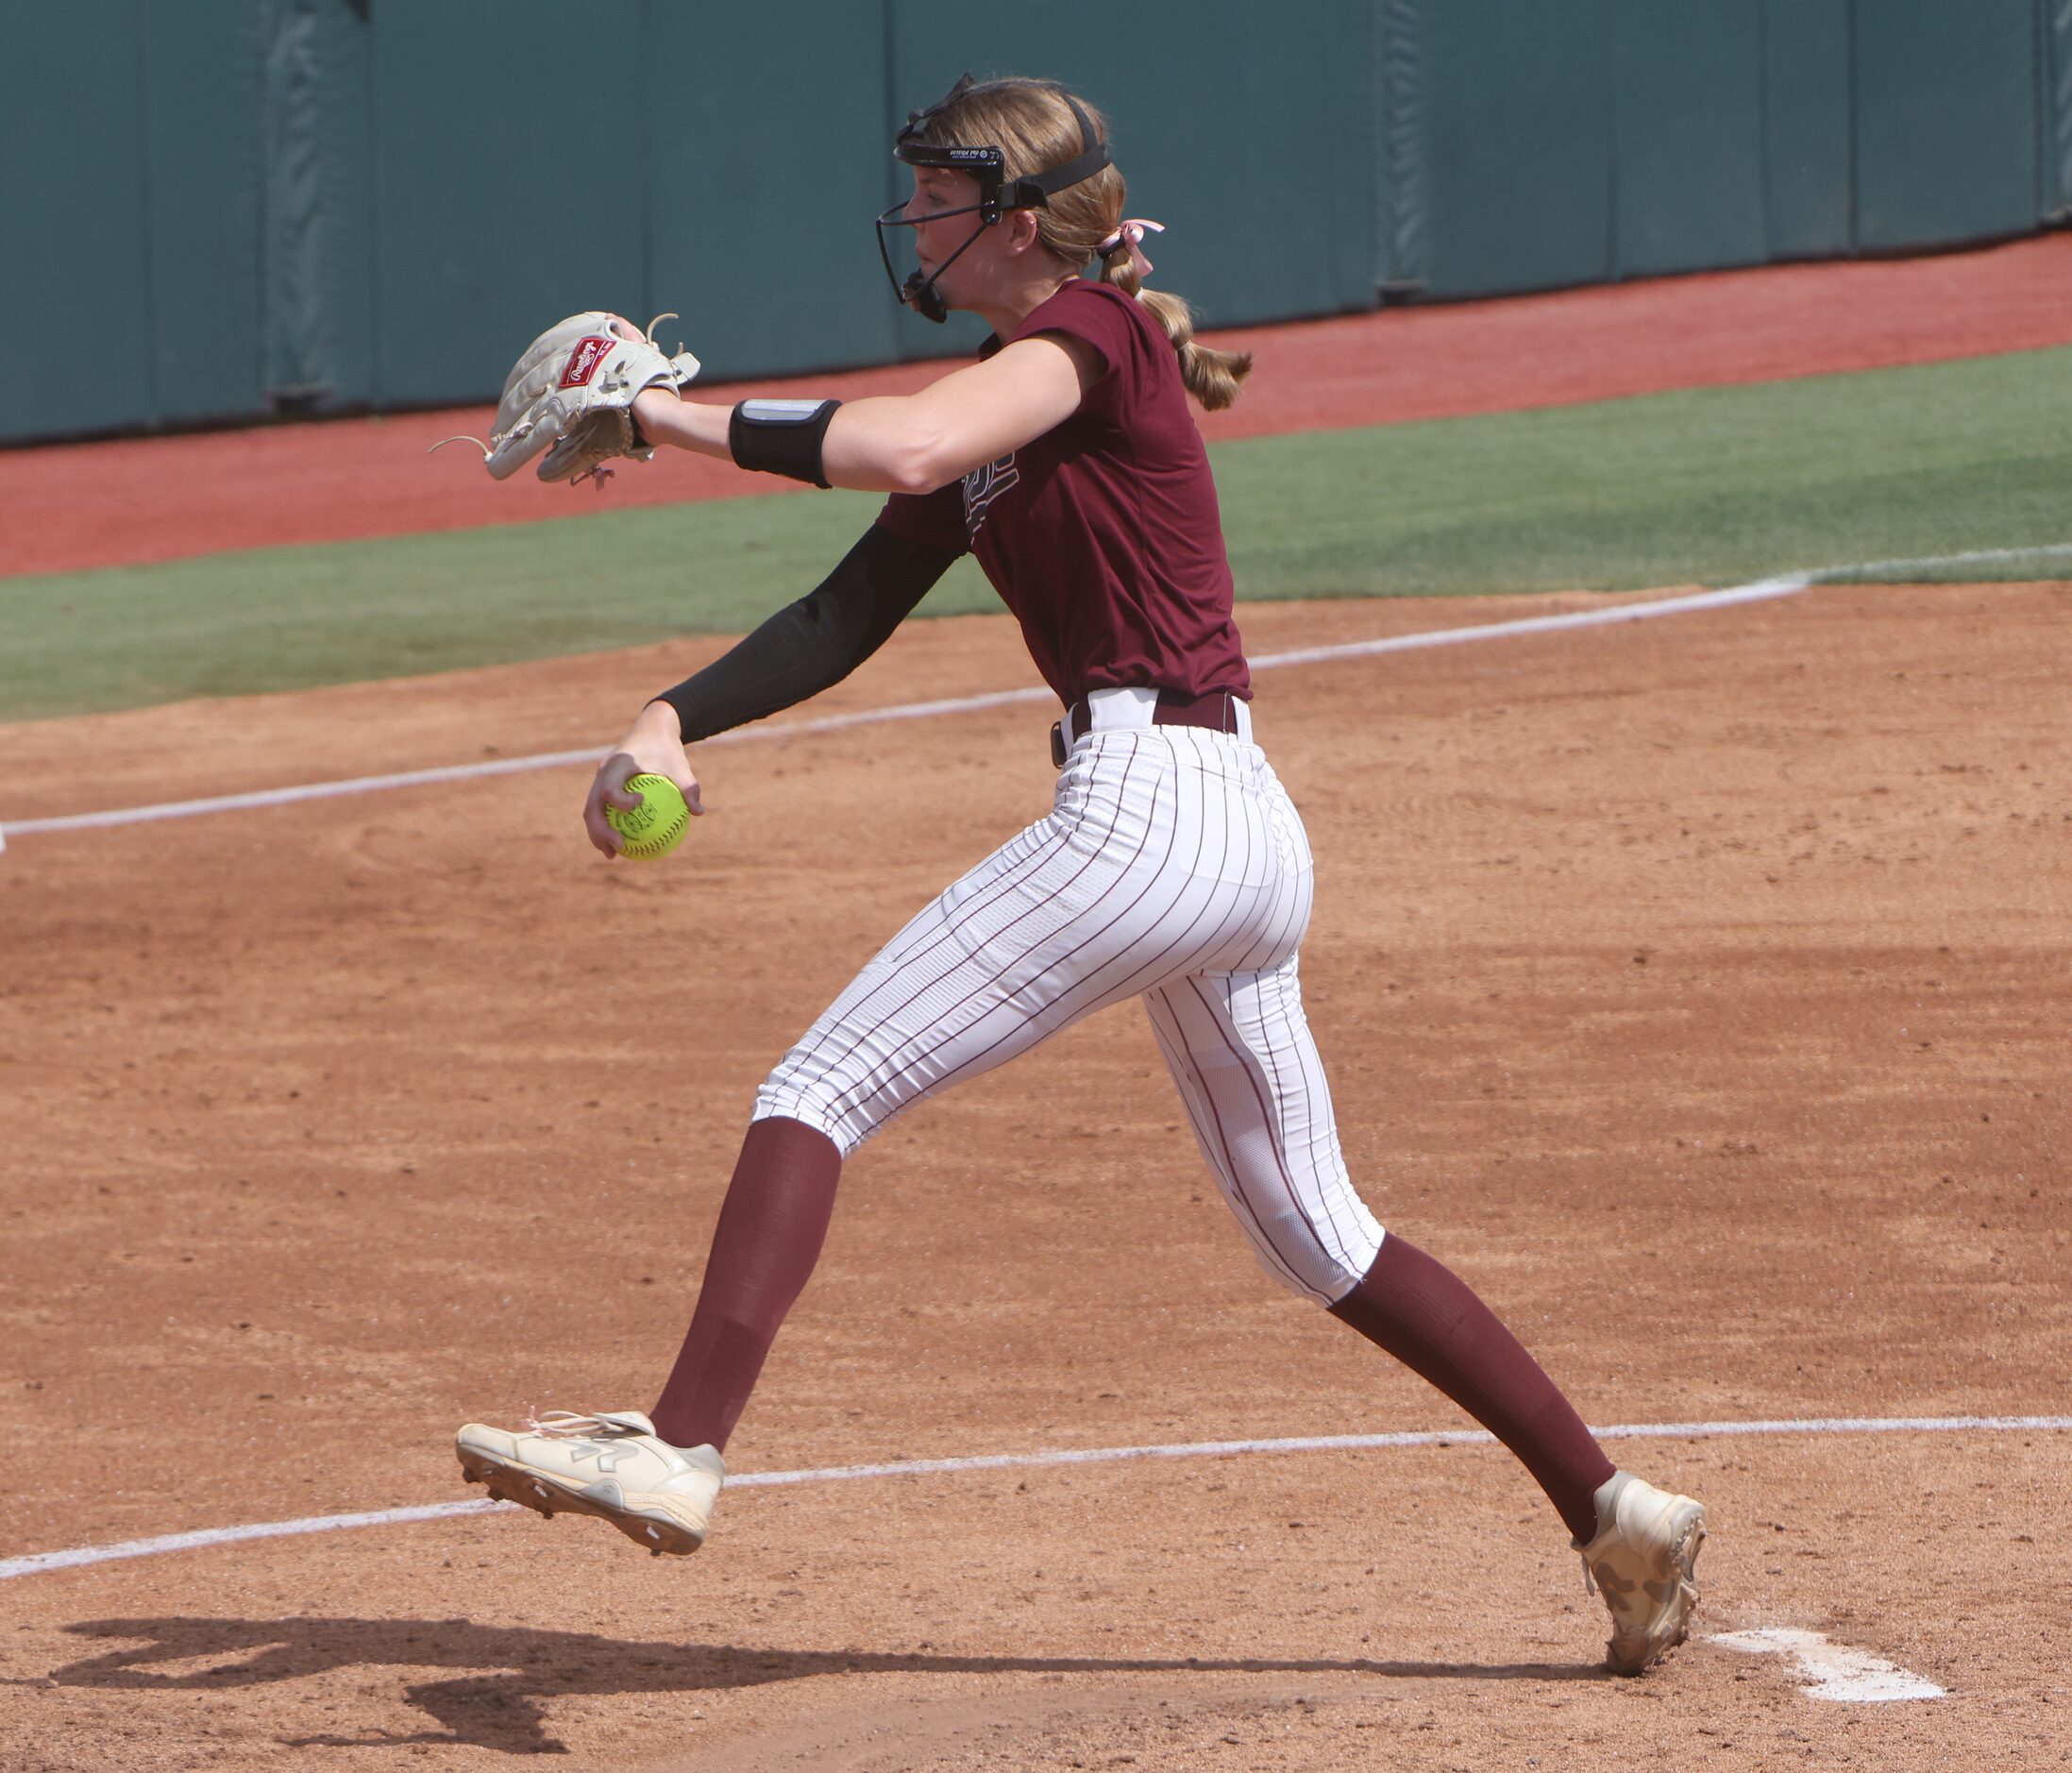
(1696, 986)
(118, 504)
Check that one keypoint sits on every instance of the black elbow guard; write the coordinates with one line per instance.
(781, 437)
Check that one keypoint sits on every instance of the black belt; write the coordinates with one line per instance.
(1217, 711)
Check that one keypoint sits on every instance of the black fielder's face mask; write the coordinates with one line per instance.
(997, 192)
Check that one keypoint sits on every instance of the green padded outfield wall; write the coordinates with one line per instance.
(252, 205)
(1510, 157)
(1807, 131)
(1946, 122)
(2055, 70)
(505, 194)
(1595, 139)
(765, 171)
(1687, 136)
(320, 234)
(129, 204)
(77, 241)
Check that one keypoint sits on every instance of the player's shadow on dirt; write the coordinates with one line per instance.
(504, 1673)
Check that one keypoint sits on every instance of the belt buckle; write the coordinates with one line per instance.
(1057, 744)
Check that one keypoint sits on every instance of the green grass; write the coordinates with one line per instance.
(1712, 486)
(294, 617)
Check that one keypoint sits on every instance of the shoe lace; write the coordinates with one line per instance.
(567, 1424)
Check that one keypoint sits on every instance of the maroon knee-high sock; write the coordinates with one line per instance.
(771, 1226)
(1424, 1315)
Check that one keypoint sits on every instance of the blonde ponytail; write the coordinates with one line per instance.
(1211, 376)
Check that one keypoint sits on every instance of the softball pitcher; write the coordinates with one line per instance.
(1172, 867)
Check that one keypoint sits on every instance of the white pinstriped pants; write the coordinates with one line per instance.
(1174, 868)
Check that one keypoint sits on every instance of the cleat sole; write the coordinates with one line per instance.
(529, 1489)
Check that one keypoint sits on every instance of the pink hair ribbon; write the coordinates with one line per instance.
(1132, 235)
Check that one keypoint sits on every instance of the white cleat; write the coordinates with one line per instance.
(1643, 1562)
(611, 1465)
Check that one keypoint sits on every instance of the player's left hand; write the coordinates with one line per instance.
(572, 392)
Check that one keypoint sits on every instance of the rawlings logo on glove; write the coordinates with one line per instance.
(584, 361)
(572, 395)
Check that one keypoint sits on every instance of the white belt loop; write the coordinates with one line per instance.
(1108, 709)
(1129, 706)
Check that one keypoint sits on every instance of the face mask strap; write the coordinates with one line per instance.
(995, 197)
(1034, 193)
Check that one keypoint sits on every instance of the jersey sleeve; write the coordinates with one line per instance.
(1096, 315)
(935, 519)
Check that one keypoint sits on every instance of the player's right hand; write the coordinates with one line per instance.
(653, 747)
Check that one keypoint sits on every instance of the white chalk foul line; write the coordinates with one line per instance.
(38, 1561)
(498, 767)
(1783, 587)
(873, 717)
(1831, 1671)
(1783, 584)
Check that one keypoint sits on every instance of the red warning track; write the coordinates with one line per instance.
(118, 504)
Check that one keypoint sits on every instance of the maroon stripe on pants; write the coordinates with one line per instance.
(1280, 1159)
(1240, 1202)
(1097, 993)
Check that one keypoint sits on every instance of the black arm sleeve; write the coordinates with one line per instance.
(816, 641)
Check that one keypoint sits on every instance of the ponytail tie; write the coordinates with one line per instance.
(1131, 234)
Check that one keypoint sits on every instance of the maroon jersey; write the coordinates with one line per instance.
(1102, 536)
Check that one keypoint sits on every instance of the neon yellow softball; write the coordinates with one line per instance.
(654, 827)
